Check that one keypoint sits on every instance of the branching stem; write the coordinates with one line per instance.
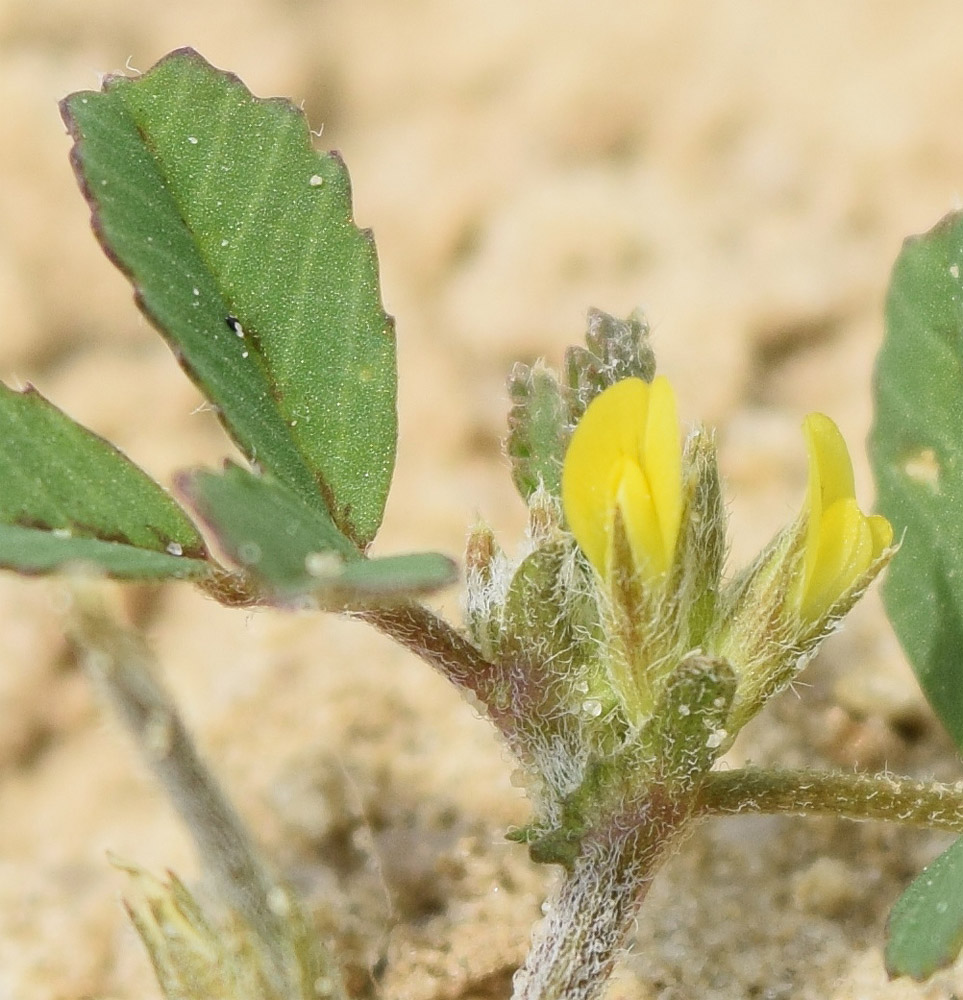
(578, 942)
(596, 902)
(850, 796)
(440, 644)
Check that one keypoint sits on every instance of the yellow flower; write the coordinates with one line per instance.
(841, 541)
(625, 455)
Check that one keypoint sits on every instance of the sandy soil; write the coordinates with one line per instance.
(745, 172)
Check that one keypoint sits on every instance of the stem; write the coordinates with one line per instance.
(119, 662)
(851, 796)
(593, 910)
(511, 694)
(415, 627)
(579, 940)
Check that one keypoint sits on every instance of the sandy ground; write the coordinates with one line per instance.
(745, 172)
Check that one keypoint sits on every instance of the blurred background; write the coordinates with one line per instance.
(744, 173)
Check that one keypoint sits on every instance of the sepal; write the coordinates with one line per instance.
(545, 410)
(702, 542)
(689, 728)
(615, 349)
(488, 574)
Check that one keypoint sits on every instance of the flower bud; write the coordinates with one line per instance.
(779, 611)
(841, 543)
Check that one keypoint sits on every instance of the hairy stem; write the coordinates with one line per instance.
(121, 665)
(592, 912)
(429, 636)
(851, 796)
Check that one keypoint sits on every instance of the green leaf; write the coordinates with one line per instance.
(297, 550)
(538, 429)
(67, 496)
(916, 447)
(264, 526)
(239, 240)
(925, 929)
(31, 550)
(390, 578)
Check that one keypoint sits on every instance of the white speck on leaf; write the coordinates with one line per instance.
(249, 553)
(315, 180)
(323, 564)
(192, 139)
(923, 467)
(174, 549)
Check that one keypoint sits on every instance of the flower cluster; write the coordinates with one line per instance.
(627, 493)
(617, 658)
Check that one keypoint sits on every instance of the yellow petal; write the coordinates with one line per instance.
(842, 551)
(882, 532)
(841, 541)
(663, 464)
(636, 504)
(830, 470)
(625, 453)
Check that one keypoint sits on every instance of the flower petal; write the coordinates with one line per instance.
(662, 464)
(830, 469)
(634, 500)
(626, 453)
(882, 532)
(841, 541)
(842, 552)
